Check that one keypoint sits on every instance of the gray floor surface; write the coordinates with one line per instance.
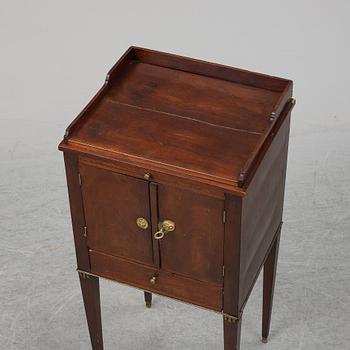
(54, 56)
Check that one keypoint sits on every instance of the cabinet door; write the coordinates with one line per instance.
(195, 247)
(112, 204)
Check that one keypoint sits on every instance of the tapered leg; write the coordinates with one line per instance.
(270, 268)
(148, 299)
(232, 334)
(91, 294)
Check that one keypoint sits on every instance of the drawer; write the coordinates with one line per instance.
(208, 295)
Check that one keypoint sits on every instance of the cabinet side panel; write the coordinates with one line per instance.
(262, 209)
(77, 211)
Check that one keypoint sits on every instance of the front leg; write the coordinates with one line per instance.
(91, 294)
(232, 333)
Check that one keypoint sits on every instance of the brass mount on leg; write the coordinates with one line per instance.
(230, 318)
(83, 274)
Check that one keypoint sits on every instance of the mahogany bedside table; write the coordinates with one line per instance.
(176, 173)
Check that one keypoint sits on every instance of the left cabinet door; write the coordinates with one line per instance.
(112, 205)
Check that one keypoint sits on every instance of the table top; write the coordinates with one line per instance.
(207, 120)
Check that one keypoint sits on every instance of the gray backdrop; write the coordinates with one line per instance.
(54, 56)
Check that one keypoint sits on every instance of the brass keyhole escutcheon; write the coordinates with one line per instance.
(164, 227)
(142, 223)
(153, 280)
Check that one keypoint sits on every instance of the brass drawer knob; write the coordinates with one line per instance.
(142, 223)
(164, 227)
(153, 280)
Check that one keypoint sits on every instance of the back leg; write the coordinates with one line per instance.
(148, 299)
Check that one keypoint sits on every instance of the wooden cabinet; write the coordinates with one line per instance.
(176, 173)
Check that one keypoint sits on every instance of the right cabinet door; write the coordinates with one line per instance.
(195, 248)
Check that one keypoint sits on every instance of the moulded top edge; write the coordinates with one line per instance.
(201, 67)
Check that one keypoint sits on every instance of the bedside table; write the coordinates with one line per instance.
(176, 174)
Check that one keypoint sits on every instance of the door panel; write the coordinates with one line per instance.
(112, 204)
(195, 248)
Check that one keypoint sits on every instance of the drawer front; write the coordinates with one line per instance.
(195, 247)
(112, 204)
(203, 294)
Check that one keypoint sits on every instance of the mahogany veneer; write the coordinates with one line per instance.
(176, 172)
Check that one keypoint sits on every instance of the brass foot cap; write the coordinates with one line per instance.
(264, 340)
(148, 304)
